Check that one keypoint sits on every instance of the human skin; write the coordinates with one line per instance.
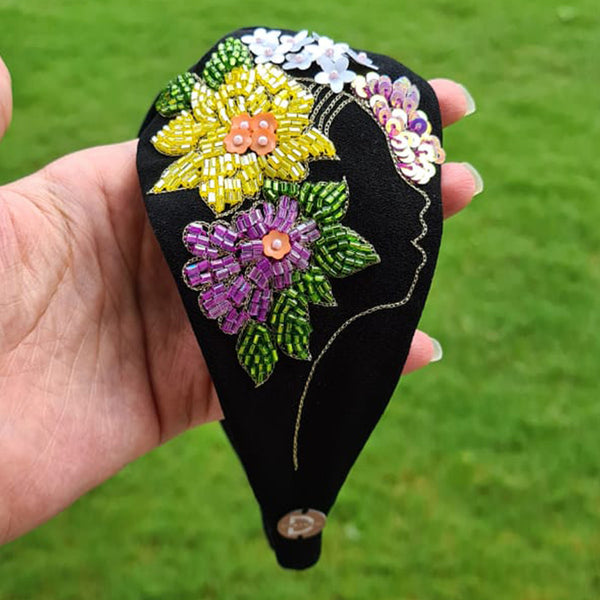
(98, 362)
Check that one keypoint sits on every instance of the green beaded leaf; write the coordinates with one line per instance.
(290, 322)
(177, 95)
(273, 188)
(314, 285)
(256, 351)
(340, 251)
(324, 201)
(230, 53)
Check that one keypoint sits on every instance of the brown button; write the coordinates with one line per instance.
(300, 523)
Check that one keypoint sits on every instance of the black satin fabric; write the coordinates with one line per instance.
(356, 378)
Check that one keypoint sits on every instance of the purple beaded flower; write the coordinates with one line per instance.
(237, 267)
(257, 274)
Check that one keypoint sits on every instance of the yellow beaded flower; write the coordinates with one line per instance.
(256, 125)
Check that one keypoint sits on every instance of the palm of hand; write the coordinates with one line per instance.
(98, 363)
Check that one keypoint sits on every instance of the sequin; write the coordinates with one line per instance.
(395, 106)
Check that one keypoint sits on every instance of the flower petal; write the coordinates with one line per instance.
(251, 224)
(280, 164)
(250, 174)
(312, 143)
(299, 256)
(218, 189)
(260, 302)
(197, 273)
(261, 273)
(348, 76)
(305, 232)
(196, 238)
(179, 136)
(184, 173)
(250, 250)
(258, 33)
(282, 273)
(341, 64)
(204, 106)
(224, 267)
(239, 290)
(337, 85)
(222, 237)
(322, 77)
(292, 125)
(214, 302)
(287, 211)
(234, 320)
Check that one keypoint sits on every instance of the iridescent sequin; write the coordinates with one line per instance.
(395, 106)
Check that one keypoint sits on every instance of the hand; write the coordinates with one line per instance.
(98, 362)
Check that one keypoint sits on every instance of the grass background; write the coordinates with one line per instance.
(483, 480)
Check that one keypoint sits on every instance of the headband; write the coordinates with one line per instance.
(293, 184)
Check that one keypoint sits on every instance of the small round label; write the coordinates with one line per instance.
(299, 524)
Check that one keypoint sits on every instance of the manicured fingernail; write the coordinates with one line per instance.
(471, 106)
(476, 177)
(437, 351)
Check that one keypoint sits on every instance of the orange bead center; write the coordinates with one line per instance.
(255, 133)
(276, 244)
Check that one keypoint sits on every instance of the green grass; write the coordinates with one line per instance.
(483, 479)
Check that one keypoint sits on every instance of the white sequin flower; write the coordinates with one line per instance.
(303, 49)
(362, 58)
(335, 73)
(299, 60)
(272, 53)
(327, 48)
(298, 41)
(260, 39)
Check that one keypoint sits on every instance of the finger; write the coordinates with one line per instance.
(460, 183)
(5, 98)
(423, 351)
(455, 100)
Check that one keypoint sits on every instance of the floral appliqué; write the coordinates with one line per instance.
(396, 108)
(302, 50)
(258, 273)
(244, 129)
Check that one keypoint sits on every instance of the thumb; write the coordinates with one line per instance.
(5, 98)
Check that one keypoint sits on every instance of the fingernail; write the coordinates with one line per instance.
(471, 106)
(437, 350)
(476, 177)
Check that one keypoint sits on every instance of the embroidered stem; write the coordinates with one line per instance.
(335, 113)
(369, 311)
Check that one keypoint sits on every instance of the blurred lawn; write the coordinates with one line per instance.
(483, 480)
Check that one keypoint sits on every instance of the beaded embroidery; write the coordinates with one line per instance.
(395, 106)
(225, 152)
(177, 95)
(258, 273)
(247, 128)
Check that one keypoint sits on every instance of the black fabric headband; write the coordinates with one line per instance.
(293, 185)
